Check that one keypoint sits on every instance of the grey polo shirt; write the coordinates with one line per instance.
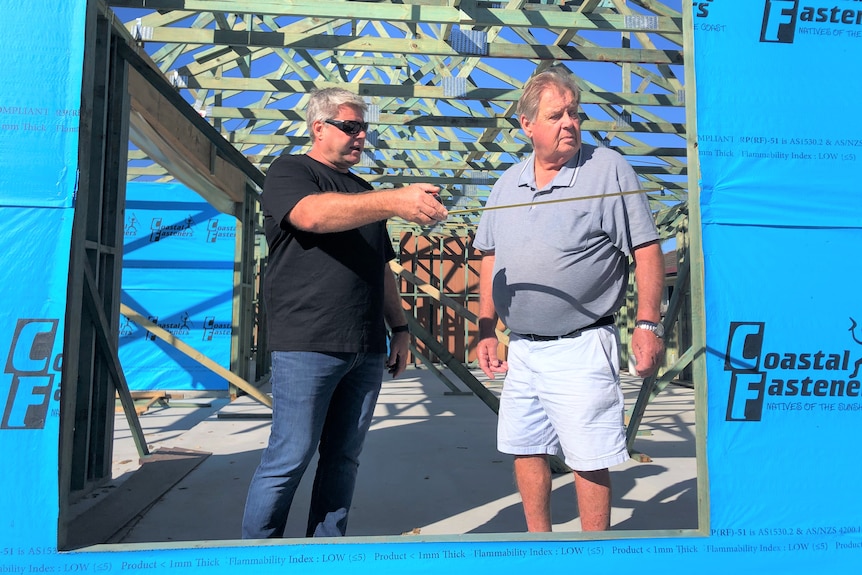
(561, 266)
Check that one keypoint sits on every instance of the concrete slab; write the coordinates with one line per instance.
(430, 467)
(160, 471)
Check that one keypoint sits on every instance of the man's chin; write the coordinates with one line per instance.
(566, 150)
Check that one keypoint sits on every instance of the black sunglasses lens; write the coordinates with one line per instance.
(352, 127)
(349, 127)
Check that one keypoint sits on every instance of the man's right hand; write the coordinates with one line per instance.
(420, 204)
(488, 361)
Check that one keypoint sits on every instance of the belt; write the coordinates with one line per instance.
(607, 320)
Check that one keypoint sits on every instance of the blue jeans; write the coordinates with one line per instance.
(324, 401)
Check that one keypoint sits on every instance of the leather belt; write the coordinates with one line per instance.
(607, 320)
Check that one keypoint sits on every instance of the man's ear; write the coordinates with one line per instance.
(316, 130)
(526, 126)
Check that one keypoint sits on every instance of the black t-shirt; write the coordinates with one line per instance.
(323, 292)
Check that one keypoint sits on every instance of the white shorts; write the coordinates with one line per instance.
(564, 396)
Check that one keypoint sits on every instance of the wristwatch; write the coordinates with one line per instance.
(656, 328)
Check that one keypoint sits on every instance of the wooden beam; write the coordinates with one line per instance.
(465, 15)
(164, 132)
(102, 328)
(431, 47)
(493, 95)
(185, 348)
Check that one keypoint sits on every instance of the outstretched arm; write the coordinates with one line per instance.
(329, 212)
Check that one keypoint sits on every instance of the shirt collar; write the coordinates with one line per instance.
(564, 178)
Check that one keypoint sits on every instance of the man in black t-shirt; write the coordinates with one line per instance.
(327, 292)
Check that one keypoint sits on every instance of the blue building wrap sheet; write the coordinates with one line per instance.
(777, 88)
(178, 265)
(40, 97)
(782, 231)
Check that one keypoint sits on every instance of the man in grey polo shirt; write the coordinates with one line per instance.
(555, 274)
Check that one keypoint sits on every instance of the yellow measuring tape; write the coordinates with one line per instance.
(545, 202)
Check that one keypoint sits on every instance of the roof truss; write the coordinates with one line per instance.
(441, 78)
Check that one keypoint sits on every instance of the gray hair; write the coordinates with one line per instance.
(558, 77)
(323, 105)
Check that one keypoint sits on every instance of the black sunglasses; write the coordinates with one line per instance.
(349, 127)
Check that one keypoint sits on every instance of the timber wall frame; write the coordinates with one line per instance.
(436, 123)
(92, 374)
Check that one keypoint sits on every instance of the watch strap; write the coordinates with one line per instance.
(652, 326)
